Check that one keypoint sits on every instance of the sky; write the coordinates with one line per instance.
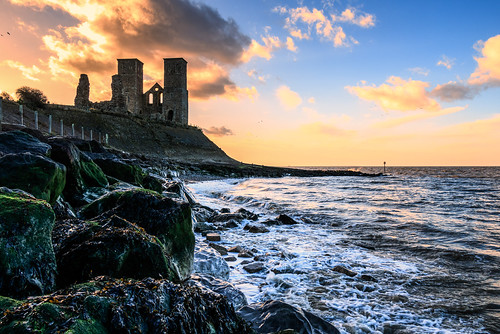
(286, 83)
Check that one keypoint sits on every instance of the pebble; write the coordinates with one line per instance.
(213, 237)
(254, 267)
(245, 262)
(255, 229)
(221, 249)
(345, 271)
(245, 253)
(230, 259)
(235, 249)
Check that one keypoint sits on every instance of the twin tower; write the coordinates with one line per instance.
(168, 103)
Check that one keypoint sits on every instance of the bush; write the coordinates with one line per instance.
(6, 96)
(31, 97)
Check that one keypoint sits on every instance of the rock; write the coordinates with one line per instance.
(274, 316)
(233, 295)
(271, 222)
(344, 270)
(113, 247)
(247, 214)
(202, 213)
(121, 170)
(202, 227)
(107, 305)
(153, 183)
(231, 224)
(225, 217)
(221, 249)
(178, 188)
(254, 267)
(235, 249)
(286, 220)
(213, 237)
(22, 142)
(82, 172)
(36, 174)
(210, 262)
(230, 258)
(27, 261)
(63, 210)
(255, 229)
(245, 262)
(368, 278)
(165, 218)
(245, 253)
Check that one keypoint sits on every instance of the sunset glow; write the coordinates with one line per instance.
(286, 83)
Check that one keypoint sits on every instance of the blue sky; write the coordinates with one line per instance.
(287, 83)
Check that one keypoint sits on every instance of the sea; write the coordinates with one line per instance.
(421, 245)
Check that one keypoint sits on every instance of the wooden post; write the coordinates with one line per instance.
(83, 135)
(1, 113)
(21, 111)
(36, 119)
(62, 128)
(384, 167)
(90, 134)
(99, 137)
(73, 129)
(107, 138)
(50, 124)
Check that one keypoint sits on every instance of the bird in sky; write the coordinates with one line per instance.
(8, 33)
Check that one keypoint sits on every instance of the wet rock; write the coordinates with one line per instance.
(82, 172)
(113, 247)
(152, 182)
(35, 174)
(245, 262)
(245, 253)
(254, 267)
(225, 217)
(180, 190)
(209, 261)
(202, 227)
(213, 237)
(202, 213)
(28, 264)
(274, 316)
(21, 142)
(255, 228)
(344, 270)
(271, 222)
(230, 258)
(368, 278)
(231, 224)
(221, 249)
(233, 295)
(247, 214)
(127, 172)
(286, 220)
(235, 249)
(108, 305)
(165, 218)
(63, 209)
(225, 210)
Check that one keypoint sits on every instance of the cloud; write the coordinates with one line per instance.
(290, 45)
(446, 62)
(288, 98)
(488, 63)
(302, 22)
(419, 70)
(391, 123)
(218, 131)
(397, 94)
(324, 129)
(149, 30)
(311, 100)
(28, 72)
(265, 50)
(453, 91)
(253, 74)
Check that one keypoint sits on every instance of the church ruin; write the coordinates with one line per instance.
(168, 103)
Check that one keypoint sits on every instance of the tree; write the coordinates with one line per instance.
(31, 97)
(6, 96)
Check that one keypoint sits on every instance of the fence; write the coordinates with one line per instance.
(33, 119)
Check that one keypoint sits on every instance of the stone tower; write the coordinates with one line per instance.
(175, 95)
(131, 75)
(83, 92)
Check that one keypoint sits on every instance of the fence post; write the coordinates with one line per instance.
(91, 134)
(1, 113)
(83, 135)
(62, 128)
(73, 129)
(107, 139)
(99, 137)
(21, 111)
(50, 124)
(36, 119)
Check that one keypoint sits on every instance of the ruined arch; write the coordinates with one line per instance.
(170, 115)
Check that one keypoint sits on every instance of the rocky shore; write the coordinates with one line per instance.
(93, 240)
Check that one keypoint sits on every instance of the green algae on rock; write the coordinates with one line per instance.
(35, 174)
(167, 219)
(27, 260)
(107, 305)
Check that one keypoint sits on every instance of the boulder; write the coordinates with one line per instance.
(127, 172)
(27, 261)
(255, 228)
(286, 220)
(209, 261)
(233, 295)
(107, 305)
(21, 142)
(275, 316)
(113, 247)
(254, 267)
(167, 219)
(36, 174)
(82, 173)
(344, 270)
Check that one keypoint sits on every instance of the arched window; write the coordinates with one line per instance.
(150, 98)
(170, 115)
(161, 98)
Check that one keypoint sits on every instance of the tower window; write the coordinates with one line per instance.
(170, 115)
(150, 98)
(161, 98)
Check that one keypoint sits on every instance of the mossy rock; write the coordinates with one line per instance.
(167, 219)
(127, 172)
(27, 261)
(35, 174)
(22, 142)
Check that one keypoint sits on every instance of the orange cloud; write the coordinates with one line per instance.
(488, 63)
(398, 94)
(446, 62)
(288, 98)
(28, 72)
(416, 117)
(271, 43)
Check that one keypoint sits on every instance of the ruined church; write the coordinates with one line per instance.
(168, 103)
